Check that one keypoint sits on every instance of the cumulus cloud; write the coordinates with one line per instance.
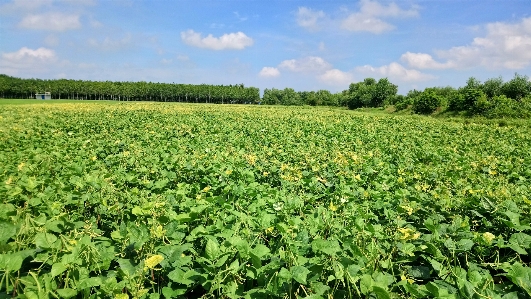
(423, 61)
(230, 41)
(308, 18)
(25, 58)
(371, 14)
(269, 72)
(504, 46)
(336, 77)
(51, 21)
(395, 71)
(306, 65)
(24, 53)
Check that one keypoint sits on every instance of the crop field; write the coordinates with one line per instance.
(166, 200)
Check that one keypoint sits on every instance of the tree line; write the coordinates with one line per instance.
(17, 88)
(492, 98)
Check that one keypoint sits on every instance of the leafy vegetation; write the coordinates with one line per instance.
(493, 98)
(16, 88)
(161, 200)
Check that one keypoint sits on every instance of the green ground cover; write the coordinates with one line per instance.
(155, 200)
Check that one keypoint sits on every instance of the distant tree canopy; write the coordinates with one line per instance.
(11, 87)
(370, 93)
(289, 97)
(492, 98)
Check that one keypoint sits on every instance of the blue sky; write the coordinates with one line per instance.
(306, 45)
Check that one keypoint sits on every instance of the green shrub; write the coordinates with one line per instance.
(456, 102)
(426, 103)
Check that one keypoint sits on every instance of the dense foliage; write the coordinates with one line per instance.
(493, 98)
(426, 103)
(138, 200)
(290, 97)
(370, 93)
(16, 88)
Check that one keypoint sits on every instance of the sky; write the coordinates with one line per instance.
(305, 45)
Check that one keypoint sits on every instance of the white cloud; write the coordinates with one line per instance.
(109, 44)
(369, 18)
(395, 71)
(269, 72)
(306, 65)
(423, 61)
(308, 18)
(336, 77)
(51, 21)
(24, 53)
(230, 41)
(504, 46)
(26, 59)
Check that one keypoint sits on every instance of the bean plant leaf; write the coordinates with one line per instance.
(45, 240)
(66, 292)
(520, 276)
(57, 269)
(212, 249)
(299, 273)
(7, 230)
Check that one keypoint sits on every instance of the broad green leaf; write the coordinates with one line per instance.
(66, 293)
(366, 283)
(260, 251)
(521, 240)
(520, 276)
(11, 262)
(285, 274)
(57, 269)
(127, 267)
(212, 250)
(45, 240)
(299, 273)
(179, 276)
(137, 211)
(89, 283)
(7, 230)
(381, 292)
(326, 246)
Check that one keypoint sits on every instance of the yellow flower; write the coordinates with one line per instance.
(332, 207)
(206, 189)
(408, 234)
(408, 209)
(153, 261)
(488, 237)
(94, 158)
(20, 166)
(228, 171)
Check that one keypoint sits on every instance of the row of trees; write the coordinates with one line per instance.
(290, 97)
(492, 98)
(17, 88)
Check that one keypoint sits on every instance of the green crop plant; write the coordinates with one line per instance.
(167, 200)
